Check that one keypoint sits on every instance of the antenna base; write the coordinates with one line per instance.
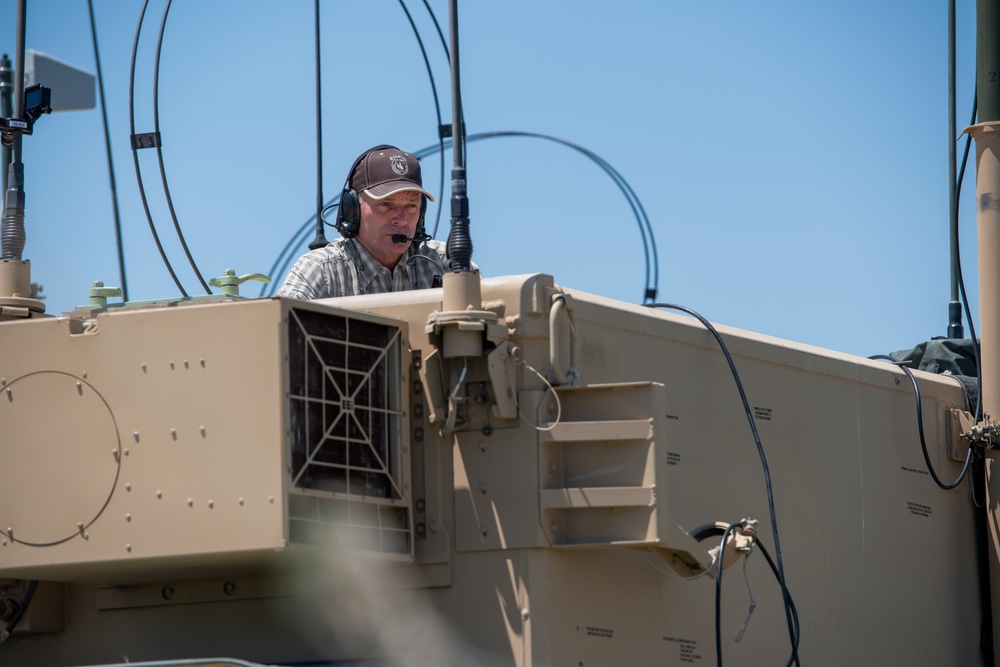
(15, 291)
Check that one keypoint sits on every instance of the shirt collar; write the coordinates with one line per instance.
(368, 267)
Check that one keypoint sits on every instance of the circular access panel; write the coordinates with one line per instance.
(61, 457)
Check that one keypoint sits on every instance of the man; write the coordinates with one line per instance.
(384, 246)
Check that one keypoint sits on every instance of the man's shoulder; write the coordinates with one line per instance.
(316, 273)
(333, 251)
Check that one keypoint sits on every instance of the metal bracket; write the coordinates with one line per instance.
(985, 434)
(502, 368)
(959, 424)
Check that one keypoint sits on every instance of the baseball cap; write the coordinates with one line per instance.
(385, 171)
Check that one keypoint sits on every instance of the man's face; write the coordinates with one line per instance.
(381, 218)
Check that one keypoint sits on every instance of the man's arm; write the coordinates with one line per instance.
(303, 279)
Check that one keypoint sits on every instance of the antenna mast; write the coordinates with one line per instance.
(320, 240)
(459, 239)
(459, 327)
(15, 273)
(955, 329)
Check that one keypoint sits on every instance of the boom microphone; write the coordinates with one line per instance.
(403, 238)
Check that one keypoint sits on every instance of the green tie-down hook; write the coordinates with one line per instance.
(230, 283)
(99, 294)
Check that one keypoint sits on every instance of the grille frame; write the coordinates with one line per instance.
(347, 444)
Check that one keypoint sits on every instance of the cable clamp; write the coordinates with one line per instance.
(745, 535)
(985, 434)
(146, 140)
(740, 539)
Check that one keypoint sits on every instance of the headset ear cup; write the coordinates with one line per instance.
(349, 214)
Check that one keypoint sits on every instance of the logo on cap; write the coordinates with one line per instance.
(399, 164)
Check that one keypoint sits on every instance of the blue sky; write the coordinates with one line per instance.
(792, 157)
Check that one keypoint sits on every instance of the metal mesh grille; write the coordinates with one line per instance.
(380, 528)
(345, 404)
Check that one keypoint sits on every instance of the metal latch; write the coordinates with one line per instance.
(230, 283)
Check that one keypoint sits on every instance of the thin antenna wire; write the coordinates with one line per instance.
(159, 149)
(447, 56)
(645, 228)
(135, 151)
(286, 256)
(111, 166)
(437, 110)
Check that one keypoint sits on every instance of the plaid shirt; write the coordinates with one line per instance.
(345, 268)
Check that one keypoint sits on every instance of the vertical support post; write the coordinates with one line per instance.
(987, 136)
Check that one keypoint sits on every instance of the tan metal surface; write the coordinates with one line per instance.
(132, 442)
(543, 533)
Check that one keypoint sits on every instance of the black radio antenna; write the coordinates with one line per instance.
(459, 239)
(320, 240)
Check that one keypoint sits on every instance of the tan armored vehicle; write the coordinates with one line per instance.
(501, 471)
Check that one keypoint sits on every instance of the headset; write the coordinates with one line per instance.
(349, 209)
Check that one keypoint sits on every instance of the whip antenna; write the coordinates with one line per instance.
(459, 238)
